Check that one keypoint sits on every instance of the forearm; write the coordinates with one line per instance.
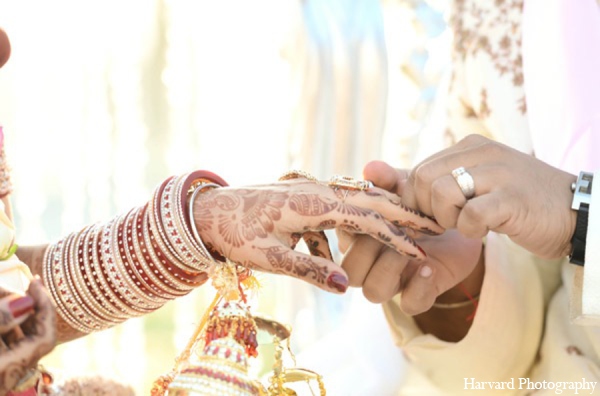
(129, 266)
(32, 256)
(453, 323)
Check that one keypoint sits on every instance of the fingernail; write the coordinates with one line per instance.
(425, 271)
(337, 281)
(21, 306)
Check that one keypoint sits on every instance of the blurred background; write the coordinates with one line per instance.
(101, 101)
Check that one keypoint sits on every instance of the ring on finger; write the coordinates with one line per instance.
(465, 182)
(295, 174)
(349, 183)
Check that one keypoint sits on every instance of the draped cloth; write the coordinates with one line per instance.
(561, 62)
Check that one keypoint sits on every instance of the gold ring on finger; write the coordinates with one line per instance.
(349, 183)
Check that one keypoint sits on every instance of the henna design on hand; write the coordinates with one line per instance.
(5, 318)
(261, 211)
(314, 245)
(301, 266)
(294, 239)
(311, 204)
(326, 225)
(38, 341)
(350, 226)
(352, 210)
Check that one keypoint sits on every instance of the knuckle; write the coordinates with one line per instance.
(490, 150)
(422, 175)
(438, 191)
(472, 140)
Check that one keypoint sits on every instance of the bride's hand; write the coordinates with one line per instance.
(259, 226)
(38, 333)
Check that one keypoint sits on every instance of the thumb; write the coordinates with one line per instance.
(385, 176)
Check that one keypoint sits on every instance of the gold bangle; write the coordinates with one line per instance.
(296, 174)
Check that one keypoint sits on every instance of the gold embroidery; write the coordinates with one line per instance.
(493, 28)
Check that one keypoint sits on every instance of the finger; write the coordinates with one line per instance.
(45, 323)
(318, 271)
(385, 176)
(316, 207)
(467, 153)
(420, 291)
(390, 207)
(14, 309)
(371, 223)
(482, 214)
(345, 240)
(447, 200)
(359, 258)
(321, 213)
(384, 278)
(317, 244)
(13, 336)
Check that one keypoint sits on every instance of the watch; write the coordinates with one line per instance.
(582, 194)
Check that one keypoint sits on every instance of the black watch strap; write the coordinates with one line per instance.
(582, 193)
(579, 237)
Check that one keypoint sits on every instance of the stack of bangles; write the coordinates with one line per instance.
(106, 273)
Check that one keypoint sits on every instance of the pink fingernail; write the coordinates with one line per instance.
(21, 306)
(425, 271)
(337, 281)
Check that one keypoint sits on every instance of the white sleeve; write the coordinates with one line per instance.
(504, 337)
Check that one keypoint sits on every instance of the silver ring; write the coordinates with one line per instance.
(465, 182)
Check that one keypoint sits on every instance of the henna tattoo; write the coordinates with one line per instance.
(22, 356)
(292, 263)
(260, 212)
(372, 193)
(326, 224)
(5, 318)
(227, 202)
(415, 212)
(351, 226)
(203, 218)
(311, 204)
(344, 194)
(353, 210)
(393, 227)
(414, 226)
(294, 239)
(383, 237)
(10, 375)
(313, 245)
